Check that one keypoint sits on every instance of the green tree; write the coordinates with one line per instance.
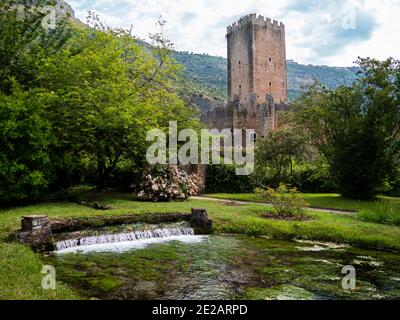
(357, 128)
(25, 136)
(24, 131)
(24, 41)
(110, 91)
(276, 155)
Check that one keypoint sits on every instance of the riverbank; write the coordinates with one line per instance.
(20, 268)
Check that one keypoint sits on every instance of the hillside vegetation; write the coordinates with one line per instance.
(207, 75)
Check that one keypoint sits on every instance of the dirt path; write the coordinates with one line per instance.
(269, 205)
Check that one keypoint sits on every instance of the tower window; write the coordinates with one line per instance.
(270, 83)
(239, 62)
(269, 59)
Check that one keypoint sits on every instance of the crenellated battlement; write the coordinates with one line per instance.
(257, 20)
(257, 80)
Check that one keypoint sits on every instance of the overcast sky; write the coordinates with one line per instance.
(330, 32)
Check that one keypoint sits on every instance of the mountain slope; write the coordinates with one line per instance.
(207, 75)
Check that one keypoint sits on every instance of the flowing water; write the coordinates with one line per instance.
(120, 242)
(220, 267)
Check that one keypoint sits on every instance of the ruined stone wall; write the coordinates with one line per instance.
(262, 117)
(218, 118)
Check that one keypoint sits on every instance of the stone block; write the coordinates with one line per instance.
(200, 221)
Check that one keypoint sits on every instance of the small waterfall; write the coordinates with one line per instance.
(139, 235)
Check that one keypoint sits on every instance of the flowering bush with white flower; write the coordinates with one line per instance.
(169, 184)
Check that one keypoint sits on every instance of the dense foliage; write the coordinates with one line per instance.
(24, 41)
(24, 130)
(223, 178)
(78, 109)
(207, 75)
(277, 155)
(25, 137)
(357, 128)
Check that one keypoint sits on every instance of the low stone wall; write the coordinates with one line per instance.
(37, 231)
(76, 224)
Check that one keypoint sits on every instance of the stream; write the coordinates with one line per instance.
(226, 267)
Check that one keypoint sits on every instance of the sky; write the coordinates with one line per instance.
(318, 32)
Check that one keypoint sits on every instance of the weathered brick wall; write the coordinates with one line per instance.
(270, 61)
(256, 72)
(257, 59)
(240, 62)
(257, 83)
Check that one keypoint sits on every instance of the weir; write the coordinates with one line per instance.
(135, 236)
(42, 234)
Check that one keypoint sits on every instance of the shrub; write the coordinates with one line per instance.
(314, 177)
(223, 178)
(24, 141)
(169, 184)
(253, 231)
(286, 201)
(385, 212)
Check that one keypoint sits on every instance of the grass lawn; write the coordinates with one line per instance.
(316, 200)
(20, 267)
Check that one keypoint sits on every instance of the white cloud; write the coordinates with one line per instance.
(314, 33)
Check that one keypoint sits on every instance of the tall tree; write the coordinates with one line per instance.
(357, 128)
(24, 131)
(110, 92)
(277, 153)
(24, 40)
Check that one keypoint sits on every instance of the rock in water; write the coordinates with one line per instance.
(200, 221)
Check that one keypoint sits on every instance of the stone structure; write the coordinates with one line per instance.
(36, 231)
(256, 60)
(40, 233)
(200, 221)
(257, 81)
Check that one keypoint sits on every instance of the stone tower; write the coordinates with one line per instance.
(257, 59)
(257, 79)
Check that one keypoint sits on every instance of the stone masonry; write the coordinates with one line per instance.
(257, 81)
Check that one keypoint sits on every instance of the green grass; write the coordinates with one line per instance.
(385, 212)
(20, 276)
(318, 200)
